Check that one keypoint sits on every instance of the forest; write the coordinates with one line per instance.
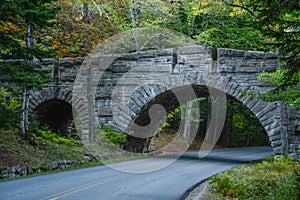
(37, 29)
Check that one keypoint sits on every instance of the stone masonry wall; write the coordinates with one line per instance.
(132, 80)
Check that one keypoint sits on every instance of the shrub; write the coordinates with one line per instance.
(53, 137)
(267, 180)
(116, 139)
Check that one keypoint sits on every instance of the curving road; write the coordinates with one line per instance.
(106, 183)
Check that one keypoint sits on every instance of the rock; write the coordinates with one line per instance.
(29, 170)
(68, 166)
(24, 170)
(19, 170)
(75, 164)
(69, 162)
(12, 175)
(13, 170)
(54, 165)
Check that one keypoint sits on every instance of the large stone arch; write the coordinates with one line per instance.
(272, 115)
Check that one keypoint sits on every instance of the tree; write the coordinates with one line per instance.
(280, 21)
(21, 22)
(82, 24)
(153, 13)
(216, 24)
(267, 25)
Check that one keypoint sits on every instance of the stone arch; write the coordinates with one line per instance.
(38, 97)
(142, 96)
(270, 114)
(52, 107)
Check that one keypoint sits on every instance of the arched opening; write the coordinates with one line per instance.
(56, 115)
(241, 127)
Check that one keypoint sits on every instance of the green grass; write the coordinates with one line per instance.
(266, 180)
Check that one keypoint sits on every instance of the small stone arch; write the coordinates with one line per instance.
(38, 97)
(53, 108)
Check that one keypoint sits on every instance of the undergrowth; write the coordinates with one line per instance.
(41, 135)
(45, 149)
(278, 180)
(116, 139)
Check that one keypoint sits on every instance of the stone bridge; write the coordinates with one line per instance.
(124, 87)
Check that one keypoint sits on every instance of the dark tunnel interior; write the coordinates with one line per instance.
(56, 115)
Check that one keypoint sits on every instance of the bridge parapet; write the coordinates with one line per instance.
(238, 61)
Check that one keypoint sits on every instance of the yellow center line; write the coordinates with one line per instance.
(84, 187)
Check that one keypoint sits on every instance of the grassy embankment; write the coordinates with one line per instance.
(266, 180)
(46, 148)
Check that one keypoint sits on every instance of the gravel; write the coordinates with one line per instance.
(199, 192)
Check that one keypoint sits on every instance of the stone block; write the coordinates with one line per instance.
(54, 165)
(193, 49)
(223, 52)
(275, 138)
(29, 170)
(254, 55)
(275, 131)
(276, 143)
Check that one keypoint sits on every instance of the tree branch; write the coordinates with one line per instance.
(240, 6)
(100, 10)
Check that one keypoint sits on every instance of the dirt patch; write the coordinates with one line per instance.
(158, 142)
(10, 158)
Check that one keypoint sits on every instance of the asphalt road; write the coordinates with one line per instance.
(105, 183)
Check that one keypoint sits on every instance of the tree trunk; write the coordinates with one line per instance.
(24, 114)
(188, 122)
(135, 15)
(29, 61)
(192, 120)
(29, 43)
(226, 135)
(86, 11)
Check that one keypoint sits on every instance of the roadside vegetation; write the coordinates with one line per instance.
(44, 147)
(39, 152)
(278, 180)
